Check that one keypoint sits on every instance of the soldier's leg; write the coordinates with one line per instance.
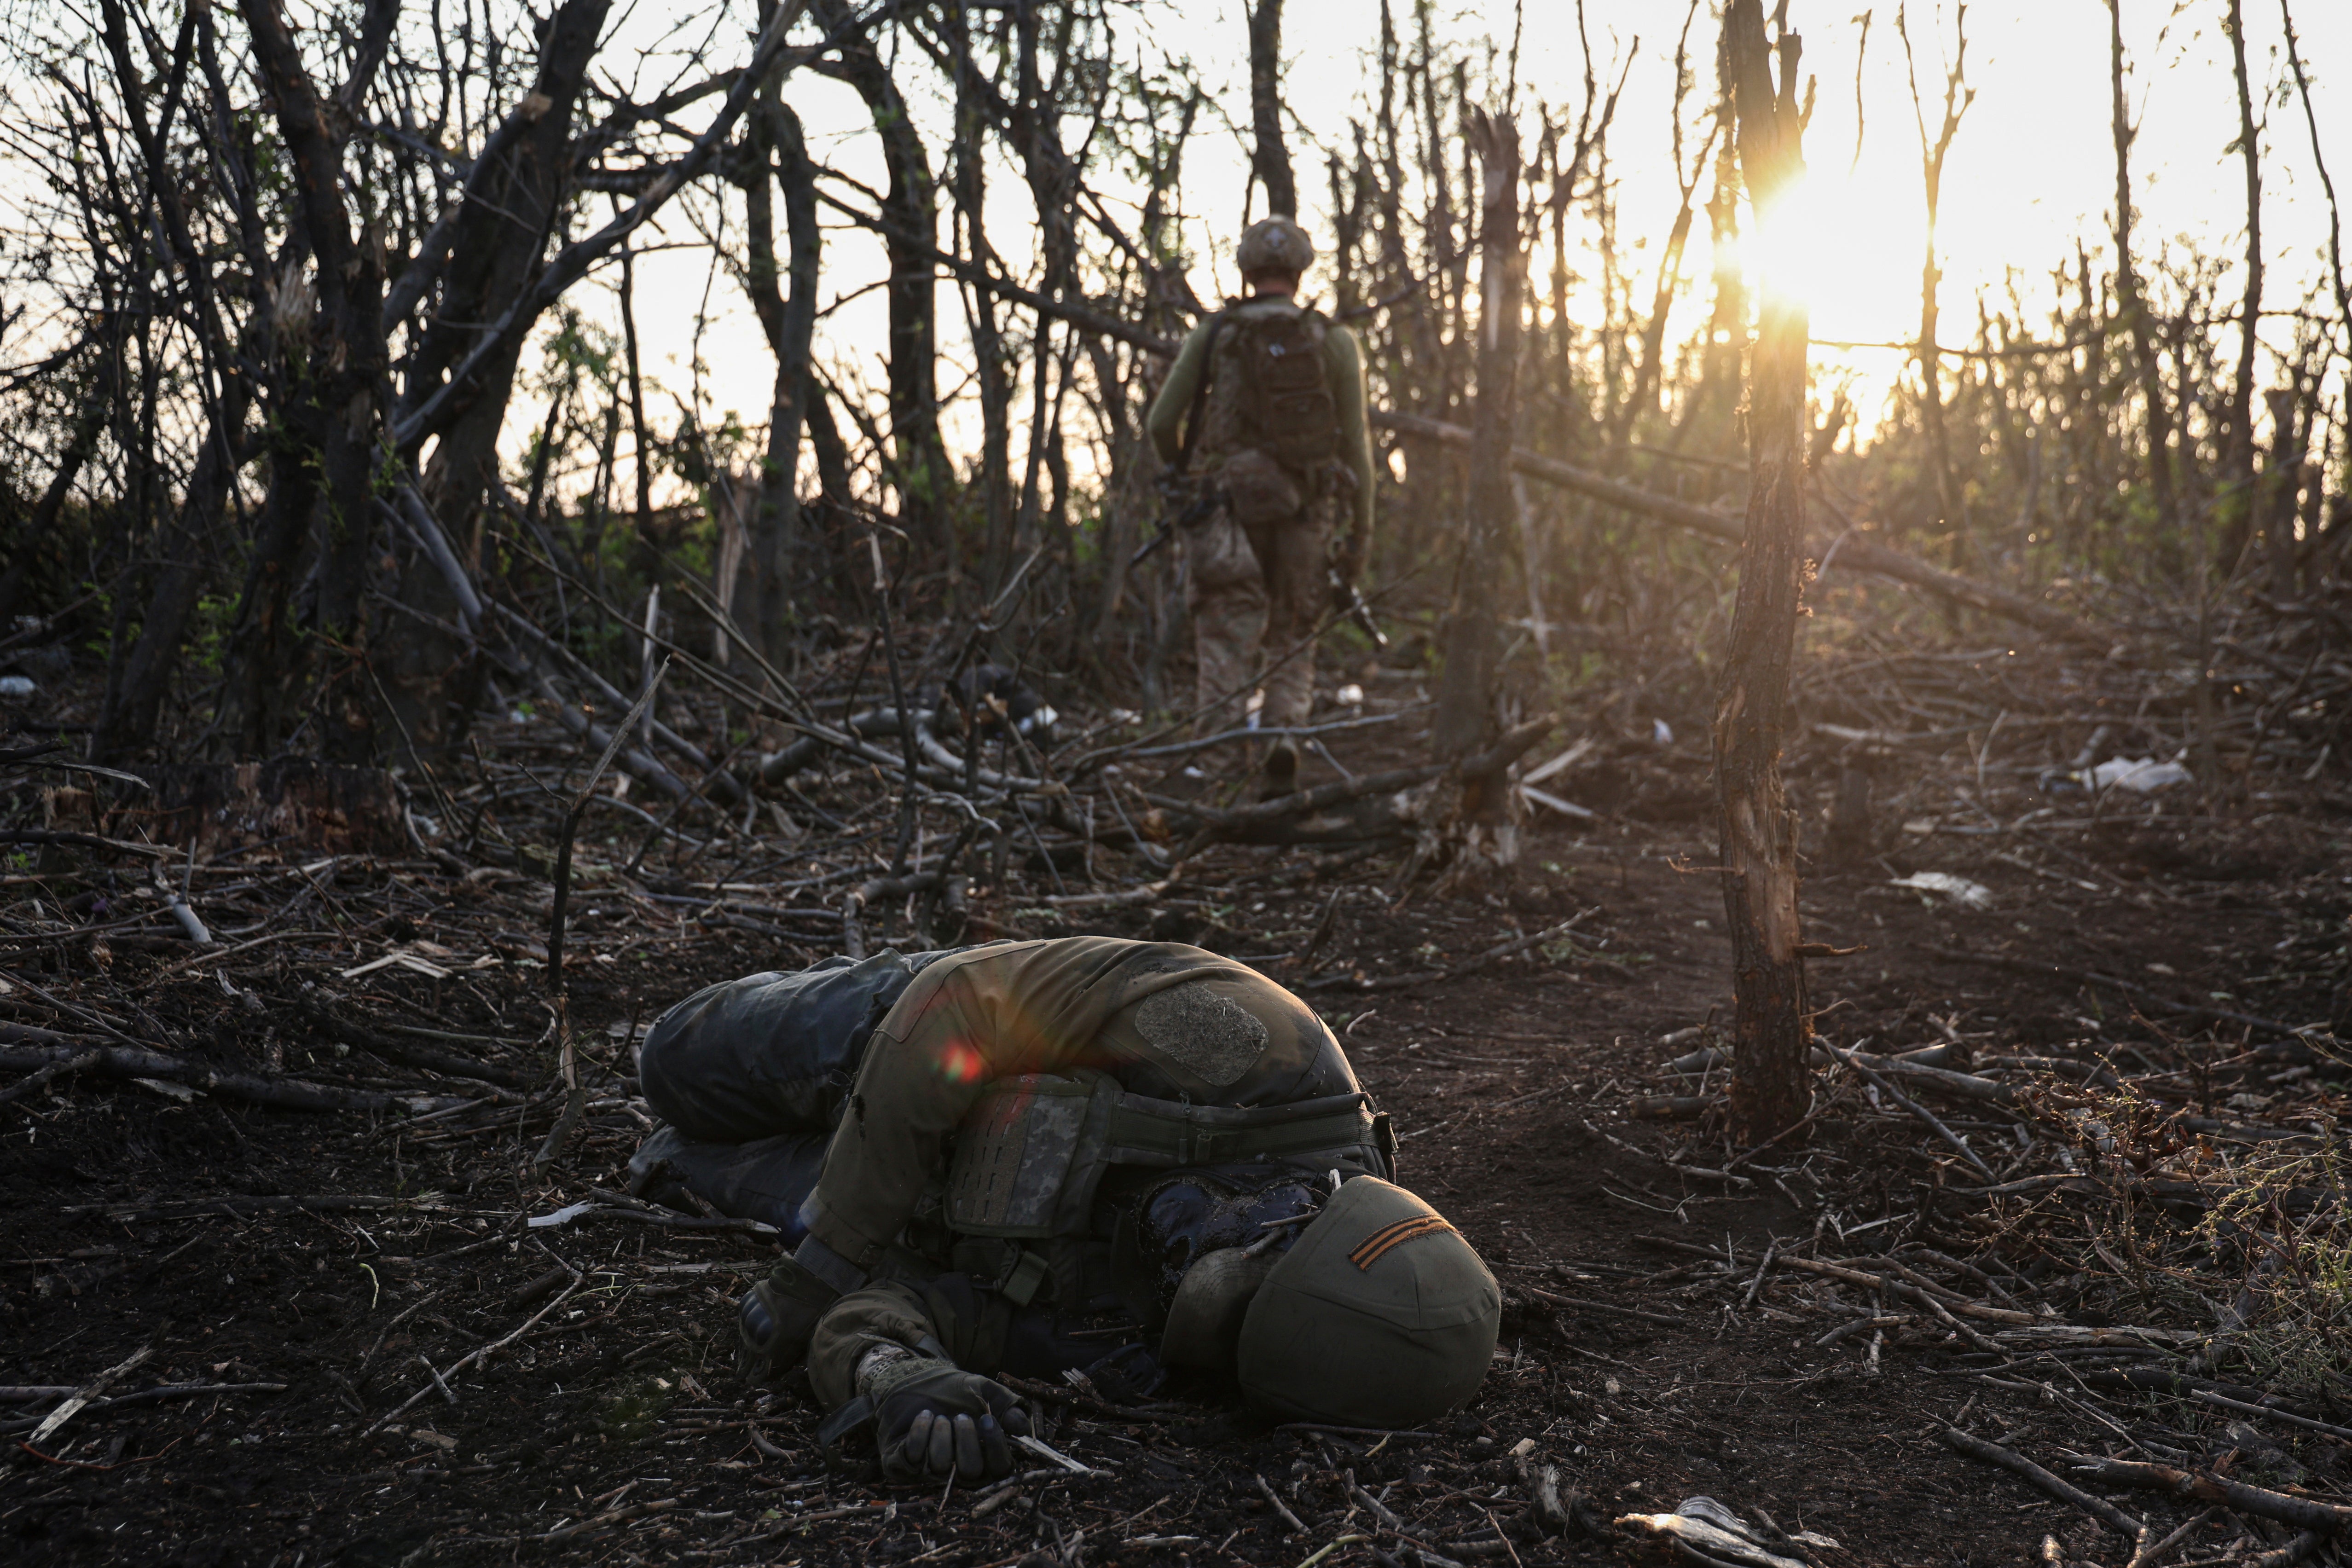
(1226, 597)
(768, 1053)
(1291, 552)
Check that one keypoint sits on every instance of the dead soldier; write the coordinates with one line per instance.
(1265, 407)
(1087, 1154)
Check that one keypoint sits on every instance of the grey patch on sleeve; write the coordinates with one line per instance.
(1206, 1033)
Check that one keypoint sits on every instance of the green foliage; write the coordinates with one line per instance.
(2287, 1211)
(209, 631)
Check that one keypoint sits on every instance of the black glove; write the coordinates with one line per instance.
(930, 1418)
(775, 1321)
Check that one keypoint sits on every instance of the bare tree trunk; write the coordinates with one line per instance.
(991, 373)
(1958, 97)
(347, 441)
(1770, 1028)
(97, 409)
(500, 229)
(1726, 346)
(1644, 396)
(2238, 464)
(2319, 162)
(1466, 707)
(789, 324)
(2282, 484)
(649, 553)
(188, 549)
(1271, 160)
(2158, 411)
(920, 469)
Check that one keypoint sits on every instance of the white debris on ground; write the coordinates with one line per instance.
(2141, 776)
(1958, 889)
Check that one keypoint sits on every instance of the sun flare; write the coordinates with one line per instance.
(1848, 252)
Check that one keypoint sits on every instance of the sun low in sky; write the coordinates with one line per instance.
(2029, 176)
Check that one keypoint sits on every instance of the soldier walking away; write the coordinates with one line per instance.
(1265, 408)
(1087, 1154)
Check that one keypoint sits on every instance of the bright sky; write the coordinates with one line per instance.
(2030, 170)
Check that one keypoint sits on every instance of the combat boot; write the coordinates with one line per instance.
(775, 1321)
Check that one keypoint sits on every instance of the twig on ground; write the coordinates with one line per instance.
(1851, 1059)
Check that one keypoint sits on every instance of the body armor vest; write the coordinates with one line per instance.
(1031, 1158)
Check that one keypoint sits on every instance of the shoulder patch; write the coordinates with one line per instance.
(1202, 1031)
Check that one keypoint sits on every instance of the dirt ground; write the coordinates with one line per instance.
(1645, 1356)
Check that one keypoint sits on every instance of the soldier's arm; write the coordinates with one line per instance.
(1166, 421)
(1343, 367)
(890, 1314)
(928, 1062)
(876, 1358)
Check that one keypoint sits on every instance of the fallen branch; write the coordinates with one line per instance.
(78, 840)
(1276, 1502)
(292, 1094)
(25, 1086)
(2008, 1459)
(1850, 549)
(2183, 1385)
(1048, 1394)
(614, 1516)
(158, 1396)
(2203, 1486)
(2203, 1396)
(639, 1214)
(1966, 1085)
(1301, 803)
(1913, 1293)
(246, 1208)
(375, 1044)
(1853, 1059)
(64, 1413)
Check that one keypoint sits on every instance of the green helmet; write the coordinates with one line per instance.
(1379, 1315)
(1274, 244)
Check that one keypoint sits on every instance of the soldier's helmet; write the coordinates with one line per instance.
(1379, 1315)
(1274, 244)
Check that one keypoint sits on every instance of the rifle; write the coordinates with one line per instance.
(1207, 500)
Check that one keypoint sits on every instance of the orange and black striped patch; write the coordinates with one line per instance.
(1370, 1251)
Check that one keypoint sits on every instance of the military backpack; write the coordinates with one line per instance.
(1270, 392)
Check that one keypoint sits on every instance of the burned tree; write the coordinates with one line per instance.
(1467, 699)
(1757, 827)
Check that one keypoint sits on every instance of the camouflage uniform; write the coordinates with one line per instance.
(1199, 1107)
(1255, 584)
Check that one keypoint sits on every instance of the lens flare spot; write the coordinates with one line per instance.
(960, 1064)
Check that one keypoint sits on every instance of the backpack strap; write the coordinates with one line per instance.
(1192, 415)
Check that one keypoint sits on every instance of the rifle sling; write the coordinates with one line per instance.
(1192, 415)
